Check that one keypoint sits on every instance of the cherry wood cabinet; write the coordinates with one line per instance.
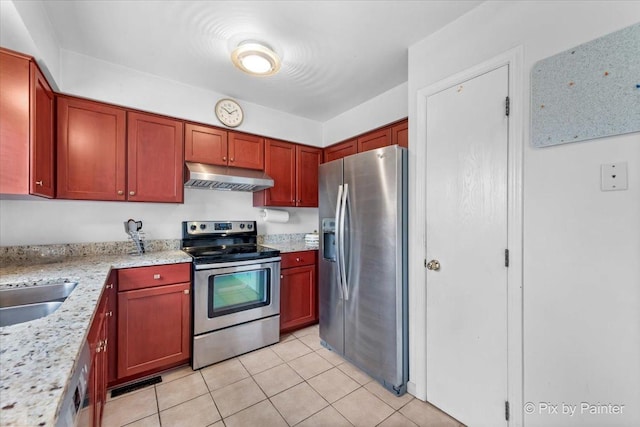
(298, 290)
(110, 290)
(154, 319)
(294, 169)
(246, 151)
(373, 140)
(400, 134)
(343, 149)
(396, 133)
(26, 127)
(99, 347)
(109, 153)
(155, 162)
(307, 161)
(207, 144)
(91, 150)
(280, 164)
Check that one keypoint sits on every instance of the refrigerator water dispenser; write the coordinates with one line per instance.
(329, 239)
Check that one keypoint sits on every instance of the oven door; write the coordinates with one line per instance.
(227, 294)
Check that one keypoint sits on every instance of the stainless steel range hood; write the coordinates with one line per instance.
(210, 177)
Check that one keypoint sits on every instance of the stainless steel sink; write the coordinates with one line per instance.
(23, 304)
(24, 313)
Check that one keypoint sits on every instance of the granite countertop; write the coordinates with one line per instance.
(37, 357)
(292, 246)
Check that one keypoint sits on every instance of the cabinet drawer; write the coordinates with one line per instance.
(157, 275)
(297, 259)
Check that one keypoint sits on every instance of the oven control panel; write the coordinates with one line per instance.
(219, 227)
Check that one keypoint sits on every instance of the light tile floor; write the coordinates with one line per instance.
(296, 382)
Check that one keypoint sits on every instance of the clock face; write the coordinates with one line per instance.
(229, 112)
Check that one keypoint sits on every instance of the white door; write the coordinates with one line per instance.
(466, 232)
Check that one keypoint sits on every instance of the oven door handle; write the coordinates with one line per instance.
(252, 262)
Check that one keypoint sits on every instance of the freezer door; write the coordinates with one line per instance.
(374, 310)
(331, 305)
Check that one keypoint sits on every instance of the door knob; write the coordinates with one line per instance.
(434, 264)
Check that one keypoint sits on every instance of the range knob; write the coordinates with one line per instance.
(203, 226)
(241, 226)
(192, 227)
(249, 226)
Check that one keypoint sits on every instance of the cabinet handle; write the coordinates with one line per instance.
(232, 159)
(224, 158)
(297, 259)
(109, 286)
(281, 276)
(132, 193)
(299, 201)
(186, 291)
(39, 183)
(110, 314)
(99, 347)
(156, 277)
(120, 192)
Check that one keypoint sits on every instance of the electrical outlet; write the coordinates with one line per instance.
(614, 176)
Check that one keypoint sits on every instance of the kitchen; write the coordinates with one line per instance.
(561, 349)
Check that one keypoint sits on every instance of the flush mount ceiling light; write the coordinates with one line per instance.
(255, 58)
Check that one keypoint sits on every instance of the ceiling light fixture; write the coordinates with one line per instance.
(255, 58)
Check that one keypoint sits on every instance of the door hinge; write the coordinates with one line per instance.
(506, 257)
(506, 410)
(425, 263)
(506, 107)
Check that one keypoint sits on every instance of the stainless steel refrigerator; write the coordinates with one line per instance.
(363, 262)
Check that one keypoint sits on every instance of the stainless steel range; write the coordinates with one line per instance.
(236, 289)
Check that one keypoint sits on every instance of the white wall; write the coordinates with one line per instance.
(32, 222)
(26, 28)
(385, 108)
(108, 82)
(581, 246)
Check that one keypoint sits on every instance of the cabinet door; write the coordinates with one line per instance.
(297, 297)
(42, 105)
(343, 149)
(205, 144)
(91, 150)
(153, 328)
(400, 134)
(111, 323)
(307, 161)
(246, 151)
(375, 139)
(14, 123)
(280, 164)
(155, 159)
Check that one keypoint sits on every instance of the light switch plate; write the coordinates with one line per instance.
(614, 176)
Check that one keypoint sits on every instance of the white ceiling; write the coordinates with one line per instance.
(336, 54)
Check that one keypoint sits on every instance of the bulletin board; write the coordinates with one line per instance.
(590, 91)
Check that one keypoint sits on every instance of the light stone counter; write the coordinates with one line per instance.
(287, 242)
(37, 357)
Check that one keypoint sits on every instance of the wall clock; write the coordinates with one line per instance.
(229, 112)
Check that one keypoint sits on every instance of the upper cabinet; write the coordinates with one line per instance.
(340, 150)
(26, 127)
(206, 144)
(294, 169)
(91, 150)
(107, 153)
(393, 134)
(373, 140)
(155, 161)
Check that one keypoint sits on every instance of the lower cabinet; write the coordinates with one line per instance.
(99, 348)
(154, 315)
(298, 290)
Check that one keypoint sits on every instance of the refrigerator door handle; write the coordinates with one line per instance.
(341, 241)
(337, 231)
